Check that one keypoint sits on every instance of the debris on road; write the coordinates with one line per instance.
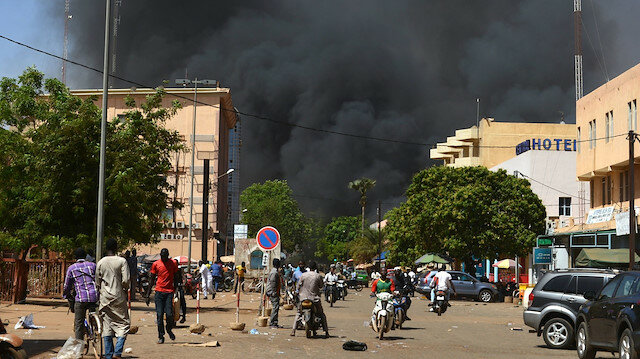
(210, 344)
(72, 349)
(196, 328)
(128, 350)
(26, 322)
(254, 331)
(516, 329)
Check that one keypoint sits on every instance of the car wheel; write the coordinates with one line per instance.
(558, 333)
(584, 348)
(626, 346)
(485, 296)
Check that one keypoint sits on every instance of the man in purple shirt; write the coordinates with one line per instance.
(80, 279)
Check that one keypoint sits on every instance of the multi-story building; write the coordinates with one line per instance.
(495, 142)
(215, 118)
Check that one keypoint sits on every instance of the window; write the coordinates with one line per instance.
(578, 140)
(604, 190)
(565, 206)
(591, 192)
(586, 284)
(571, 288)
(632, 118)
(623, 186)
(465, 277)
(609, 189)
(608, 126)
(607, 291)
(626, 286)
(557, 284)
(592, 134)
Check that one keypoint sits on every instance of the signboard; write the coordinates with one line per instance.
(600, 215)
(622, 222)
(265, 259)
(547, 144)
(268, 238)
(542, 256)
(240, 231)
(545, 242)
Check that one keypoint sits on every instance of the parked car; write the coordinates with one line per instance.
(464, 283)
(610, 320)
(556, 299)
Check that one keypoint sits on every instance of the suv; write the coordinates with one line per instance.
(464, 283)
(556, 299)
(610, 320)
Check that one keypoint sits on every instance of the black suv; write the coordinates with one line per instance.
(610, 321)
(556, 299)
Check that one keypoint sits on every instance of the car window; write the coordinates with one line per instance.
(557, 284)
(626, 286)
(465, 277)
(607, 291)
(455, 276)
(571, 288)
(589, 283)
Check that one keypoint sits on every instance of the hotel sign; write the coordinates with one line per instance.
(600, 215)
(546, 144)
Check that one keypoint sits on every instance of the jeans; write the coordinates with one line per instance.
(275, 307)
(164, 306)
(109, 352)
(433, 295)
(239, 282)
(80, 313)
(216, 282)
(183, 302)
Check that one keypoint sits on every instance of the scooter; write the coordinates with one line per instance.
(382, 318)
(342, 289)
(332, 293)
(311, 322)
(10, 345)
(441, 303)
(399, 312)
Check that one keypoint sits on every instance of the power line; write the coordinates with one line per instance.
(546, 185)
(261, 117)
(604, 63)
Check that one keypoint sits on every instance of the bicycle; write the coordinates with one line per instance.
(93, 334)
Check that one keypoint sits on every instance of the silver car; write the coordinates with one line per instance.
(465, 285)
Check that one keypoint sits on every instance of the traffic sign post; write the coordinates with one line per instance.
(268, 239)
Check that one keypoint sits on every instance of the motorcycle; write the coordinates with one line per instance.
(191, 284)
(331, 293)
(342, 289)
(143, 280)
(441, 303)
(382, 318)
(311, 321)
(399, 312)
(291, 295)
(10, 345)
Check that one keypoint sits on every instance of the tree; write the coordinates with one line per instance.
(362, 185)
(366, 247)
(272, 204)
(467, 213)
(49, 155)
(337, 236)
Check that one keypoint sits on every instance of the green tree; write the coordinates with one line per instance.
(465, 212)
(362, 185)
(336, 238)
(272, 204)
(366, 247)
(49, 155)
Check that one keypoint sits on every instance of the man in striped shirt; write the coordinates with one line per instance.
(81, 279)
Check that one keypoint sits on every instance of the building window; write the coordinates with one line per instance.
(610, 117)
(609, 186)
(592, 134)
(591, 193)
(565, 206)
(624, 186)
(607, 123)
(578, 141)
(632, 118)
(603, 190)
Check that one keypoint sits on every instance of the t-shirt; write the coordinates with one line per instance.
(240, 269)
(165, 272)
(216, 270)
(441, 280)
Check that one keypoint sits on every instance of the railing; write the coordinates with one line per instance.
(7, 277)
(45, 278)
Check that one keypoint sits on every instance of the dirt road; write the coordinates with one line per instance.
(468, 330)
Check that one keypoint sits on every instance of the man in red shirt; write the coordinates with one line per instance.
(163, 276)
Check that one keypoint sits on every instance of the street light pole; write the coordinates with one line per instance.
(103, 132)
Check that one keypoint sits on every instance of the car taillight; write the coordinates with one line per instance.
(531, 298)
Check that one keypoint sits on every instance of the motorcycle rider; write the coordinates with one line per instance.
(404, 286)
(382, 284)
(441, 282)
(329, 277)
(309, 287)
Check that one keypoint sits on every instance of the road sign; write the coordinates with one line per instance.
(265, 259)
(268, 238)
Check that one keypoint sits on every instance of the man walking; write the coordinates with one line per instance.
(273, 292)
(132, 262)
(81, 278)
(205, 280)
(216, 274)
(112, 280)
(163, 275)
(309, 287)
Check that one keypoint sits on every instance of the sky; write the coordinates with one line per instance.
(407, 70)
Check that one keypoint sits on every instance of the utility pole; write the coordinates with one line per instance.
(67, 17)
(577, 30)
(632, 209)
(103, 133)
(205, 209)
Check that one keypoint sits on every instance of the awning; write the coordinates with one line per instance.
(604, 258)
(228, 259)
(383, 255)
(431, 258)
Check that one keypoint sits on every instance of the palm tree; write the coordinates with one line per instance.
(362, 185)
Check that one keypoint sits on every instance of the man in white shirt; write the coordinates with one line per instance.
(441, 281)
(330, 277)
(207, 280)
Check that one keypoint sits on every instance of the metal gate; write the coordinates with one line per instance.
(45, 278)
(7, 277)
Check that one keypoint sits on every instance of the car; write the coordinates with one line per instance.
(556, 299)
(362, 276)
(610, 320)
(465, 285)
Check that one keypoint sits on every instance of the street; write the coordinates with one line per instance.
(468, 330)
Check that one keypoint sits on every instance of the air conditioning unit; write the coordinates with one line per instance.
(196, 226)
(179, 224)
(179, 236)
(169, 236)
(172, 225)
(163, 236)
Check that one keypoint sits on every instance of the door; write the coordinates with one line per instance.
(580, 284)
(624, 297)
(600, 311)
(463, 283)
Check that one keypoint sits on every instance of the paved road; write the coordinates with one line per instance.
(467, 330)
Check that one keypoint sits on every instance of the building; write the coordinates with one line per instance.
(495, 142)
(603, 119)
(213, 124)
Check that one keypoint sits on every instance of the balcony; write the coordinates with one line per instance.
(467, 134)
(466, 162)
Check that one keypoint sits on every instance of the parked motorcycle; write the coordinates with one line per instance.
(399, 311)
(191, 284)
(10, 345)
(441, 303)
(143, 280)
(382, 318)
(311, 321)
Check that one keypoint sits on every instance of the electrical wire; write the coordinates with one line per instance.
(546, 185)
(604, 63)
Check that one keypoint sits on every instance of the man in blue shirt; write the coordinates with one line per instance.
(298, 272)
(80, 279)
(216, 273)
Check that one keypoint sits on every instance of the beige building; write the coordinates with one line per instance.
(211, 142)
(495, 142)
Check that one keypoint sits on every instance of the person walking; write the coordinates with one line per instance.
(273, 292)
(132, 261)
(240, 272)
(163, 275)
(216, 275)
(180, 293)
(206, 281)
(81, 279)
(112, 282)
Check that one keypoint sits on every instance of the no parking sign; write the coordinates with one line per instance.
(268, 238)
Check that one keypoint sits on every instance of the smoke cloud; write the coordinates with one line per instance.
(406, 70)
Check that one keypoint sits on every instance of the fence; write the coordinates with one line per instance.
(33, 278)
(7, 279)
